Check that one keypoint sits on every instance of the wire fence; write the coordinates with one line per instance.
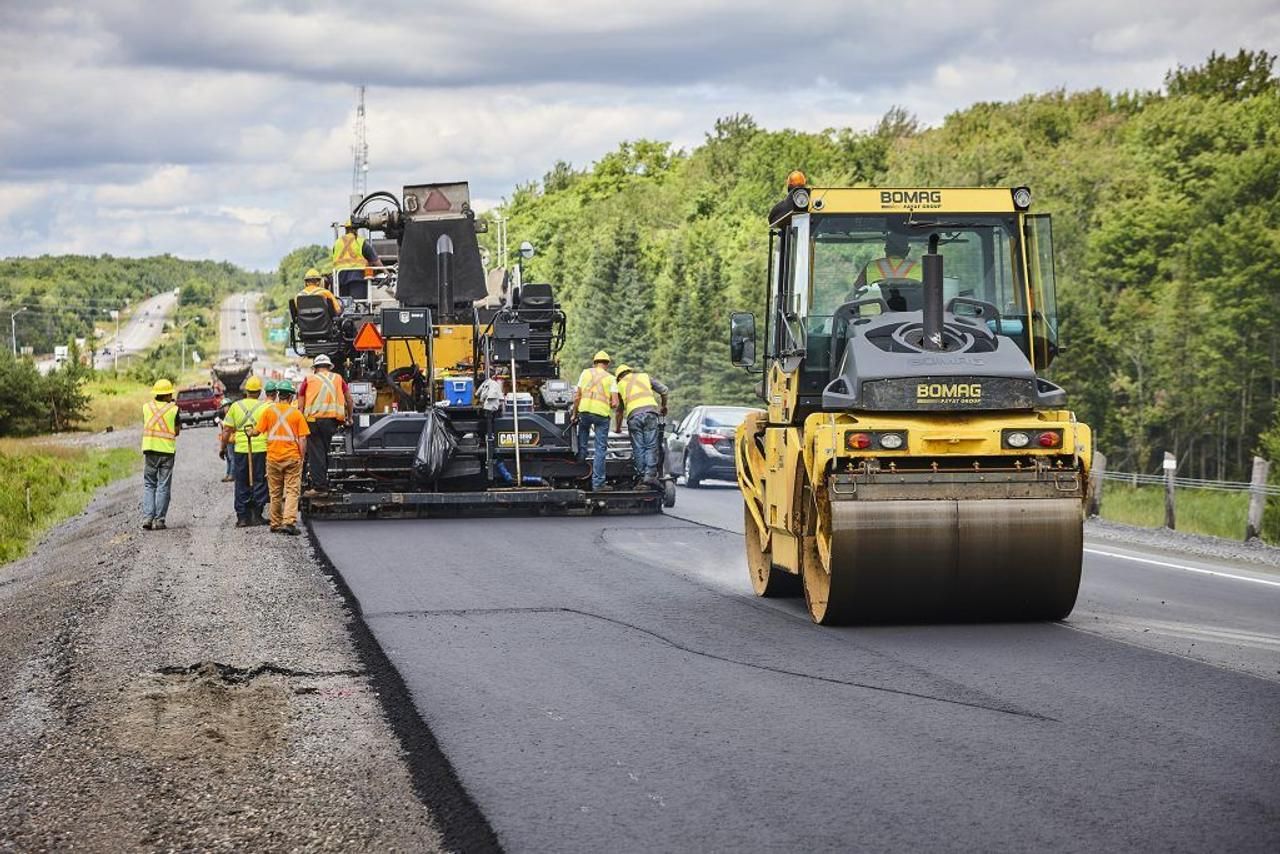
(1138, 479)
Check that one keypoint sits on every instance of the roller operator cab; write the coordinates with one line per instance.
(914, 463)
(454, 373)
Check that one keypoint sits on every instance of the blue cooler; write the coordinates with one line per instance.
(459, 391)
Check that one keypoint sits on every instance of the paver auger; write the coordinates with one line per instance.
(913, 464)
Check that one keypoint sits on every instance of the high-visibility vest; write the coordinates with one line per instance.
(348, 252)
(321, 399)
(636, 392)
(242, 413)
(885, 268)
(280, 431)
(160, 426)
(595, 387)
(315, 290)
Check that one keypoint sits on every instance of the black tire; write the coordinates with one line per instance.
(668, 493)
(692, 471)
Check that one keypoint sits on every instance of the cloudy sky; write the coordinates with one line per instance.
(223, 129)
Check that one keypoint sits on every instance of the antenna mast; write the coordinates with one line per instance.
(360, 155)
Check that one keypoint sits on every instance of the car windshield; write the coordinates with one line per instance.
(195, 394)
(724, 417)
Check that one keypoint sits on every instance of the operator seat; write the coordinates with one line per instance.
(314, 329)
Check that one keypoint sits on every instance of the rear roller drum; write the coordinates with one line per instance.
(766, 579)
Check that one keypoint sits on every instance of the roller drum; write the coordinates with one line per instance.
(996, 559)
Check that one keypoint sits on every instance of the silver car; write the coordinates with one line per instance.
(701, 447)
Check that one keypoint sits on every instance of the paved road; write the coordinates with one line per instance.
(239, 327)
(612, 684)
(142, 329)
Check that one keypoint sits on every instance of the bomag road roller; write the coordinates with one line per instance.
(913, 464)
(454, 374)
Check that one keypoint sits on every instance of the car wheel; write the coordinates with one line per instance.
(692, 472)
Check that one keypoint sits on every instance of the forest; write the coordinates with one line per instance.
(1166, 217)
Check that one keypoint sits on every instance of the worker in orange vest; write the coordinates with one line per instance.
(286, 432)
(326, 404)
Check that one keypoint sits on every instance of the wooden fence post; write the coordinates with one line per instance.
(1095, 483)
(1257, 498)
(1170, 469)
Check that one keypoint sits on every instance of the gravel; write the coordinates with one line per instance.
(191, 689)
(1180, 543)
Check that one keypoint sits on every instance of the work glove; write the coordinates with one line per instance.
(222, 452)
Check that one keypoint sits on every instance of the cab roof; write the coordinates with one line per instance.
(900, 200)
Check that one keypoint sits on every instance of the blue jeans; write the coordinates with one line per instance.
(587, 421)
(643, 428)
(250, 502)
(231, 469)
(157, 477)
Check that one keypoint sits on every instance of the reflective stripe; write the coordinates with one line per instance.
(636, 392)
(594, 394)
(322, 399)
(348, 252)
(280, 431)
(159, 428)
(888, 270)
(247, 417)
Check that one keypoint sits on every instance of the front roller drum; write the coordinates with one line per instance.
(989, 559)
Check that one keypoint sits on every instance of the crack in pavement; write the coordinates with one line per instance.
(902, 692)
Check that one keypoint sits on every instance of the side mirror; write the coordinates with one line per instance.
(742, 339)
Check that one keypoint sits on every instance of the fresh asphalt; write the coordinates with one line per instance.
(612, 684)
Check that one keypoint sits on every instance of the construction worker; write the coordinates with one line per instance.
(160, 428)
(286, 432)
(638, 396)
(248, 455)
(594, 400)
(351, 254)
(327, 405)
(313, 285)
(894, 265)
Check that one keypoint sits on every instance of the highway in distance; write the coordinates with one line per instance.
(611, 683)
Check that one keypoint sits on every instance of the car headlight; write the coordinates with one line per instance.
(892, 441)
(1017, 439)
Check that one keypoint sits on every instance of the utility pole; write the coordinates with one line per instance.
(359, 155)
(13, 329)
(115, 349)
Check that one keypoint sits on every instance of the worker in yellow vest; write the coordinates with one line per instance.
(248, 455)
(326, 404)
(313, 285)
(889, 272)
(160, 428)
(351, 255)
(286, 432)
(638, 402)
(594, 399)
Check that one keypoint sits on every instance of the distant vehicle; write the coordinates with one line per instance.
(199, 403)
(701, 448)
(292, 374)
(60, 354)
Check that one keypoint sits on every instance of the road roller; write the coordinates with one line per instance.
(914, 462)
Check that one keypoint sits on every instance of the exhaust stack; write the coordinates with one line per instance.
(444, 275)
(933, 296)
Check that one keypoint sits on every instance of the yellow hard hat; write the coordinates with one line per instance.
(162, 387)
(313, 273)
(601, 356)
(623, 369)
(253, 384)
(346, 223)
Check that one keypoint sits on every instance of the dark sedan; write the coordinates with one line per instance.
(701, 448)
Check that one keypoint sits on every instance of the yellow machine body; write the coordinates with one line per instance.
(951, 523)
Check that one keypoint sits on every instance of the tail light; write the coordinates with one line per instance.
(1049, 439)
(858, 441)
(710, 438)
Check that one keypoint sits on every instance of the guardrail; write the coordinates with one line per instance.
(1257, 488)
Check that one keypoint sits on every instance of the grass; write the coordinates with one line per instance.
(43, 483)
(1198, 511)
(115, 403)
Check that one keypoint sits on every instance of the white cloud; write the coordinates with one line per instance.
(224, 130)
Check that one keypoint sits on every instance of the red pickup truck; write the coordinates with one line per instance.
(199, 403)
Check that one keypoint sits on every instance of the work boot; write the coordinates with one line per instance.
(258, 519)
(242, 522)
(159, 525)
(276, 529)
(227, 479)
(313, 493)
(146, 525)
(291, 530)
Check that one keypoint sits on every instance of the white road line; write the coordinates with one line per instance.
(1184, 567)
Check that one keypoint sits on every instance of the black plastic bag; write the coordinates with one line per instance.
(436, 445)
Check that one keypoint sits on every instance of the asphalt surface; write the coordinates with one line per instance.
(239, 327)
(141, 330)
(612, 684)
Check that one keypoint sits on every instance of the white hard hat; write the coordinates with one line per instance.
(322, 361)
